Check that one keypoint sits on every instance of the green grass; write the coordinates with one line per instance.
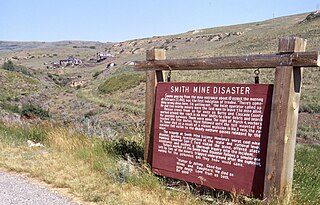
(14, 84)
(121, 82)
(308, 132)
(18, 135)
(307, 174)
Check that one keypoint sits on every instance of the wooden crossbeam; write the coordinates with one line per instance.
(297, 59)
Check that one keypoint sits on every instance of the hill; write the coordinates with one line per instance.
(62, 94)
(11, 46)
(79, 94)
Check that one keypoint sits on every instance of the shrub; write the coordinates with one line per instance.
(124, 147)
(25, 71)
(8, 66)
(12, 67)
(121, 82)
(31, 110)
(92, 47)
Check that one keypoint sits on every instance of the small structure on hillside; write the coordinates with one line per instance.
(101, 56)
(110, 65)
(70, 61)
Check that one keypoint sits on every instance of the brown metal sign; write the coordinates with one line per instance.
(213, 134)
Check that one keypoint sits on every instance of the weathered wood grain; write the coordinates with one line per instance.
(283, 125)
(297, 59)
(153, 77)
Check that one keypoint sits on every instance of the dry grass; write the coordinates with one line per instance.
(79, 165)
(66, 140)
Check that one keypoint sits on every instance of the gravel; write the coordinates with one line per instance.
(18, 191)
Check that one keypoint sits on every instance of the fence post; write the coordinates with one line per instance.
(283, 124)
(153, 77)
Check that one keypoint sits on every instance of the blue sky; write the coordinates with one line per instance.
(118, 20)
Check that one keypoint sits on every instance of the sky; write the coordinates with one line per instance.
(119, 20)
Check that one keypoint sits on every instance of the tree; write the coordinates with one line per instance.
(8, 65)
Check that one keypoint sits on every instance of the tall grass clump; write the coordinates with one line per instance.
(15, 134)
(64, 139)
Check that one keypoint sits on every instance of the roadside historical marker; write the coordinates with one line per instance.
(218, 135)
(213, 134)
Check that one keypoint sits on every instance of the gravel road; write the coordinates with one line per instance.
(18, 191)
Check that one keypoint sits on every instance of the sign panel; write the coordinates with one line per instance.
(213, 134)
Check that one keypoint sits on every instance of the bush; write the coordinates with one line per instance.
(121, 82)
(8, 66)
(25, 71)
(12, 67)
(31, 110)
(124, 147)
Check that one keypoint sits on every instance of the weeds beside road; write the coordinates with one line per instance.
(94, 170)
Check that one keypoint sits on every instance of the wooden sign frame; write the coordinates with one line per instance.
(288, 63)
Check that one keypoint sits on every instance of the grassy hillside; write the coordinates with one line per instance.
(108, 103)
(126, 106)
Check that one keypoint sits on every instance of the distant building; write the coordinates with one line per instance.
(110, 65)
(101, 56)
(70, 61)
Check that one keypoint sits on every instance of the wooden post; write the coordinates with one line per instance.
(153, 77)
(283, 124)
